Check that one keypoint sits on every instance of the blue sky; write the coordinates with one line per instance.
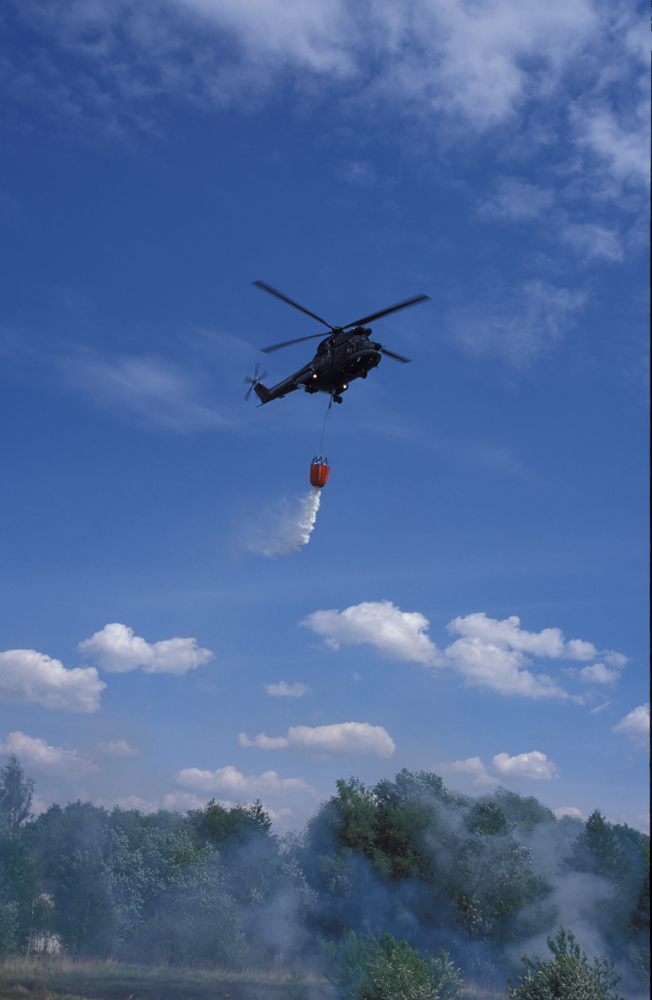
(472, 598)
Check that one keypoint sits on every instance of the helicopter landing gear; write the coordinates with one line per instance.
(337, 399)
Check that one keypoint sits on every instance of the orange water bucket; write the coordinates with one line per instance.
(319, 472)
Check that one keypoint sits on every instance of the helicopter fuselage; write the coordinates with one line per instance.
(341, 357)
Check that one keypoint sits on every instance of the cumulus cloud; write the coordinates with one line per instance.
(283, 690)
(489, 653)
(472, 766)
(500, 668)
(43, 757)
(28, 676)
(118, 748)
(395, 633)
(597, 673)
(117, 650)
(532, 766)
(236, 786)
(508, 633)
(636, 725)
(356, 738)
(571, 811)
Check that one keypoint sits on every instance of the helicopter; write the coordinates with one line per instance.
(345, 354)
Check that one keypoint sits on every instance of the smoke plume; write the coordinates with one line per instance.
(288, 527)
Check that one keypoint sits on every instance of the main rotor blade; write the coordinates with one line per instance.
(279, 295)
(397, 357)
(286, 343)
(385, 312)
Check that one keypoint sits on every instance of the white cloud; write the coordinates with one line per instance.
(117, 650)
(490, 652)
(283, 690)
(229, 782)
(395, 633)
(156, 391)
(487, 664)
(516, 200)
(636, 725)
(181, 801)
(467, 68)
(472, 766)
(534, 765)
(508, 633)
(28, 676)
(600, 708)
(130, 802)
(518, 326)
(39, 754)
(594, 240)
(623, 146)
(263, 742)
(572, 811)
(597, 673)
(341, 738)
(118, 748)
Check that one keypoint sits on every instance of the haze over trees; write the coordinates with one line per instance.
(402, 879)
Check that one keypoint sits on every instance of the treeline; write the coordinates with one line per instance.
(406, 858)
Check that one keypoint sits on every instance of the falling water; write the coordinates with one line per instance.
(288, 528)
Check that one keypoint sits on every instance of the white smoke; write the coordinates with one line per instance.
(287, 527)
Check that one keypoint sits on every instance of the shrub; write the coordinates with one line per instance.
(379, 968)
(568, 977)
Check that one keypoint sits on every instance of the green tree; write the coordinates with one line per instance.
(597, 850)
(526, 813)
(486, 818)
(568, 977)
(24, 909)
(221, 827)
(15, 795)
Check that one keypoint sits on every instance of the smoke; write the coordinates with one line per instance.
(287, 527)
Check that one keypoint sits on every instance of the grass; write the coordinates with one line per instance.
(65, 978)
(60, 977)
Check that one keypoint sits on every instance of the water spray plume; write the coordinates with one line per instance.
(290, 528)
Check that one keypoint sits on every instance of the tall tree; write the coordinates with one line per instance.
(15, 795)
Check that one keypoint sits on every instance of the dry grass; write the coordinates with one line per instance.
(60, 977)
(69, 978)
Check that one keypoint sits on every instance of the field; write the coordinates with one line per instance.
(58, 978)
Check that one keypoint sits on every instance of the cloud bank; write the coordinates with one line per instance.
(355, 738)
(489, 653)
(117, 650)
(31, 677)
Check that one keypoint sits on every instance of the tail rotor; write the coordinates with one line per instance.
(256, 380)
